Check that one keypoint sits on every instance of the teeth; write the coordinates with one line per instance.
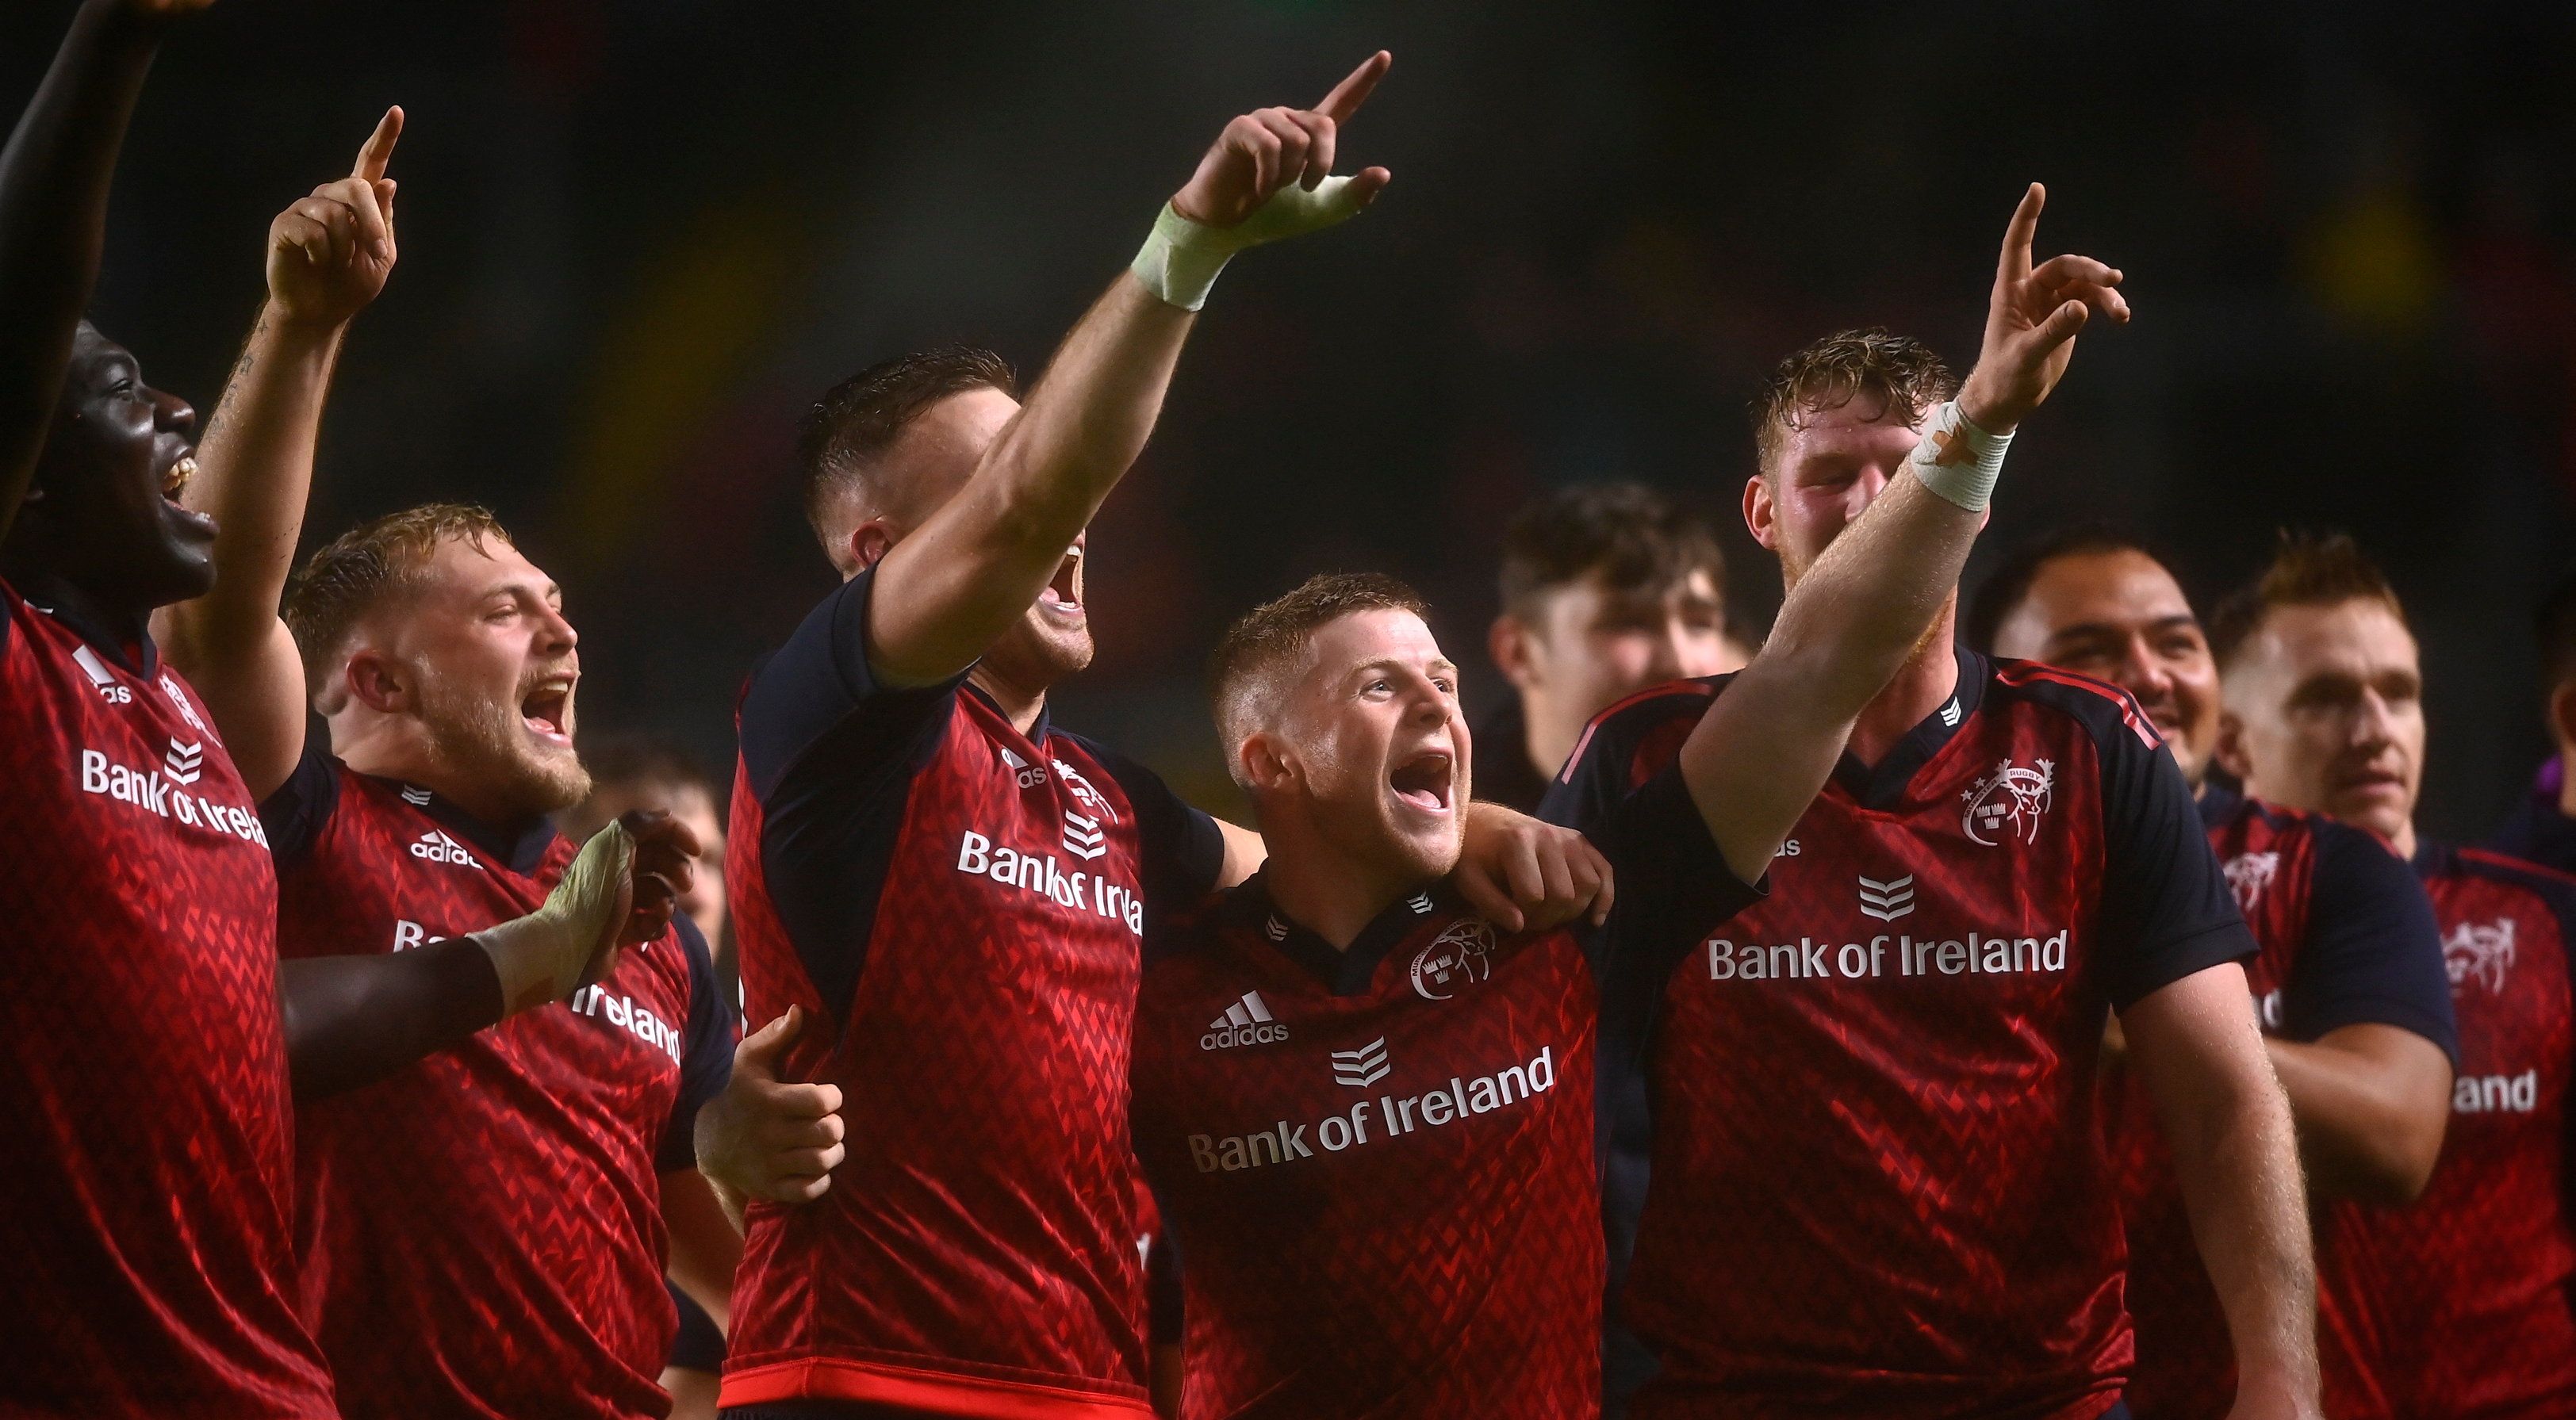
(182, 469)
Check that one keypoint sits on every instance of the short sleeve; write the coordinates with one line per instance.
(2166, 910)
(1183, 849)
(706, 1055)
(1620, 750)
(294, 813)
(815, 709)
(2373, 953)
(1673, 883)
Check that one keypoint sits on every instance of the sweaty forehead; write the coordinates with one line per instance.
(1346, 644)
(937, 452)
(464, 569)
(1867, 424)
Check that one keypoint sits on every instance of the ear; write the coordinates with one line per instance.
(1508, 641)
(1760, 517)
(2562, 715)
(1267, 767)
(2230, 750)
(375, 681)
(868, 542)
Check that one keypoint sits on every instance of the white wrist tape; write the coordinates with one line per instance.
(543, 956)
(1181, 258)
(1958, 460)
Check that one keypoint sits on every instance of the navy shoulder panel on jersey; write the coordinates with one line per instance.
(2373, 953)
(706, 1055)
(2166, 910)
(2538, 833)
(294, 812)
(1182, 848)
(2556, 890)
(831, 754)
(1623, 747)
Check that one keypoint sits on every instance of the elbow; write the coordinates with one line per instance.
(2387, 1164)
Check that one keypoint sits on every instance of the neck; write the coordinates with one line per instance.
(2567, 784)
(1928, 677)
(44, 586)
(2403, 840)
(1021, 705)
(391, 747)
(1547, 739)
(1325, 891)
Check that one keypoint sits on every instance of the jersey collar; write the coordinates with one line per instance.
(1343, 973)
(1037, 728)
(122, 637)
(1881, 784)
(521, 846)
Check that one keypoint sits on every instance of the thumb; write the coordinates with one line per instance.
(2059, 328)
(760, 1048)
(385, 200)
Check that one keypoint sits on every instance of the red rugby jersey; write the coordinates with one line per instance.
(959, 908)
(1376, 1164)
(2464, 1303)
(145, 1207)
(1878, 1181)
(481, 1233)
(2347, 938)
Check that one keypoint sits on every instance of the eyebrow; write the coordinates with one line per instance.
(2104, 628)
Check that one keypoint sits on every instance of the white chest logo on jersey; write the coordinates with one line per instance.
(1246, 1022)
(1082, 791)
(1887, 900)
(2008, 803)
(627, 1014)
(1030, 775)
(1363, 1067)
(1083, 837)
(187, 711)
(2248, 874)
(1462, 954)
(101, 679)
(2481, 952)
(185, 761)
(437, 847)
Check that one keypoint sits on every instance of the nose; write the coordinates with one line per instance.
(1670, 650)
(2143, 673)
(557, 632)
(173, 413)
(2373, 722)
(1866, 488)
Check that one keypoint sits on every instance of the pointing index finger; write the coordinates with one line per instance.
(379, 149)
(1348, 95)
(2015, 263)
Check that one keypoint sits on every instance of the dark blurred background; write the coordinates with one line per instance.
(637, 237)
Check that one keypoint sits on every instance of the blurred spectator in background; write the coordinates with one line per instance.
(644, 771)
(1607, 588)
(2543, 829)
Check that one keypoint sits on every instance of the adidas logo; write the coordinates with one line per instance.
(184, 761)
(415, 796)
(1082, 836)
(1888, 900)
(1246, 1022)
(1363, 1067)
(437, 847)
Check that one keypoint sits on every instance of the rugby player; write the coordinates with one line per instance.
(2465, 1302)
(1367, 1114)
(2349, 986)
(1877, 1182)
(950, 891)
(146, 1028)
(1607, 588)
(484, 1233)
(2543, 827)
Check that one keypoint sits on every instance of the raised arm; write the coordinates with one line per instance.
(328, 257)
(355, 1019)
(1766, 746)
(947, 590)
(53, 214)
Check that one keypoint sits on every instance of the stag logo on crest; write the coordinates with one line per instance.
(1461, 954)
(2481, 952)
(2008, 803)
(2249, 874)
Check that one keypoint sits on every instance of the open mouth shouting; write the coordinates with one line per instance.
(1427, 782)
(547, 710)
(1062, 596)
(175, 478)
